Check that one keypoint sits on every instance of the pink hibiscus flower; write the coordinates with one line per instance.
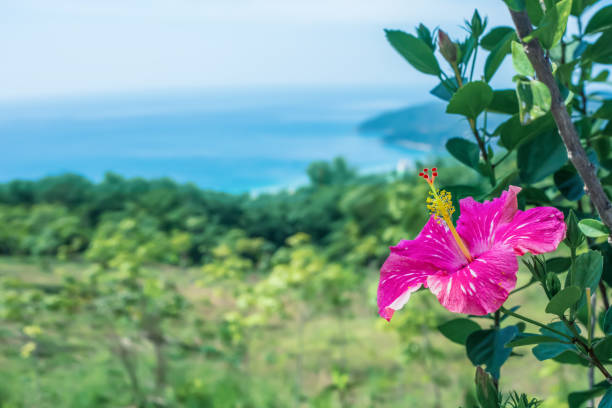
(472, 268)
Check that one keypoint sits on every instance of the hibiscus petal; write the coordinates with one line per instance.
(434, 245)
(480, 287)
(479, 222)
(411, 262)
(399, 277)
(537, 230)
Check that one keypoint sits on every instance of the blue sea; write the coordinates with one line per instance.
(229, 140)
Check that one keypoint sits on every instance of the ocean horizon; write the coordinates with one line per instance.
(228, 140)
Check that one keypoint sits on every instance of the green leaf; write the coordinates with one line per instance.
(459, 192)
(534, 11)
(532, 339)
(606, 401)
(605, 110)
(545, 351)
(520, 61)
(552, 26)
(534, 100)
(487, 347)
(569, 183)
(534, 196)
(563, 300)
(516, 5)
(541, 157)
(504, 101)
(601, 21)
(465, 151)
(425, 35)
(495, 36)
(486, 391)
(558, 265)
(588, 270)
(607, 323)
(601, 50)
(603, 349)
(573, 236)
(578, 6)
(593, 228)
(497, 55)
(458, 330)
(501, 185)
(576, 399)
(471, 99)
(415, 51)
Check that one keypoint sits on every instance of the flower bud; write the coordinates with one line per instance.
(553, 284)
(537, 267)
(573, 237)
(448, 49)
(477, 25)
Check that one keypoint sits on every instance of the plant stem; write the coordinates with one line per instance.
(567, 131)
(588, 350)
(572, 278)
(589, 314)
(474, 60)
(604, 295)
(472, 122)
(525, 286)
(504, 157)
(528, 320)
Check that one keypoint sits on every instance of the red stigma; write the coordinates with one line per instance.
(427, 177)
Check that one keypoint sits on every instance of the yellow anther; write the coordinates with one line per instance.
(440, 204)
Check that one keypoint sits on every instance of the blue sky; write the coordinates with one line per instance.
(75, 47)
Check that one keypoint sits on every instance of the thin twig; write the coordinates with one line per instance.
(568, 132)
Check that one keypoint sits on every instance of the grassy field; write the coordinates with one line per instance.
(342, 358)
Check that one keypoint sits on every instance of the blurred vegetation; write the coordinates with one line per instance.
(133, 292)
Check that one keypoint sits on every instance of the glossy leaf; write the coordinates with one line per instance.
(541, 157)
(534, 11)
(415, 51)
(593, 228)
(573, 236)
(578, 6)
(552, 26)
(486, 391)
(563, 300)
(545, 351)
(569, 183)
(601, 21)
(504, 101)
(605, 110)
(558, 265)
(458, 330)
(601, 50)
(495, 36)
(606, 401)
(588, 270)
(520, 61)
(465, 151)
(497, 55)
(534, 100)
(578, 398)
(603, 348)
(486, 347)
(471, 99)
(607, 323)
(531, 339)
